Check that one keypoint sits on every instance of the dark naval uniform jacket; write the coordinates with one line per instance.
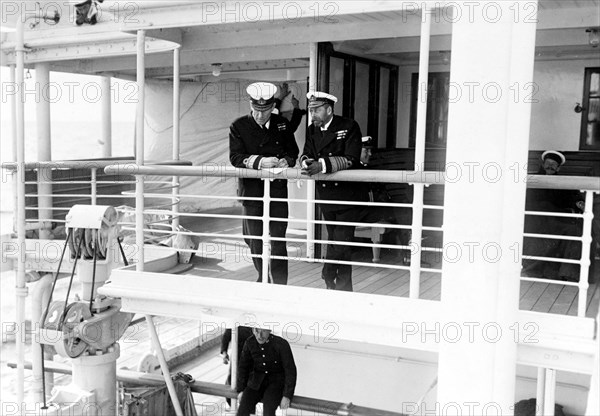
(249, 143)
(271, 362)
(339, 146)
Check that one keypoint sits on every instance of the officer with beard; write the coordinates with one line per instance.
(334, 143)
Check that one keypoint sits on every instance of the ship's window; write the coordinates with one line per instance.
(590, 116)
(436, 131)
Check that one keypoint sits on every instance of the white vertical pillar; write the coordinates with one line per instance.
(20, 286)
(176, 134)
(419, 188)
(550, 392)
(266, 237)
(488, 136)
(540, 392)
(310, 185)
(593, 401)
(106, 117)
(139, 148)
(42, 77)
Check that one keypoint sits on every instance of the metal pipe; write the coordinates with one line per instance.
(234, 363)
(176, 133)
(106, 117)
(21, 289)
(213, 389)
(423, 88)
(419, 189)
(139, 149)
(94, 185)
(549, 392)
(540, 391)
(266, 239)
(163, 365)
(310, 185)
(44, 152)
(40, 295)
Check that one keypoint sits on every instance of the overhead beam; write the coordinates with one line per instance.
(205, 68)
(164, 60)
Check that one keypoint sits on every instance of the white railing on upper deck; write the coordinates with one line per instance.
(211, 170)
(85, 191)
(590, 185)
(164, 189)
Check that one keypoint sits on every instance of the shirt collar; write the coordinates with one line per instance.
(326, 126)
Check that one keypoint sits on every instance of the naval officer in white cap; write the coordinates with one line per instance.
(334, 143)
(262, 140)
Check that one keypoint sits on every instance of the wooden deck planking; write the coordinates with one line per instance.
(525, 285)
(545, 302)
(531, 296)
(594, 302)
(434, 292)
(564, 300)
(591, 303)
(378, 286)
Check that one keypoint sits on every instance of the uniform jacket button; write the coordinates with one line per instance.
(330, 154)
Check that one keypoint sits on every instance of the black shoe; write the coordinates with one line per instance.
(330, 284)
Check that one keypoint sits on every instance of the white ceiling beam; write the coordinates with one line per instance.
(165, 60)
(237, 67)
(201, 38)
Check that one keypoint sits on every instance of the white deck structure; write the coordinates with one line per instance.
(474, 341)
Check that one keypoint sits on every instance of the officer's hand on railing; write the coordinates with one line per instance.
(283, 163)
(285, 403)
(240, 397)
(311, 167)
(269, 162)
(225, 357)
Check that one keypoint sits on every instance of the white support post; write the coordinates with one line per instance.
(44, 153)
(549, 392)
(586, 243)
(13, 107)
(593, 401)
(310, 185)
(266, 238)
(419, 188)
(139, 149)
(176, 135)
(234, 361)
(163, 365)
(39, 300)
(20, 287)
(540, 392)
(106, 117)
(488, 132)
